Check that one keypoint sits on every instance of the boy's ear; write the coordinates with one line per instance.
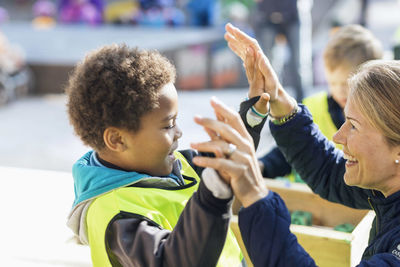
(113, 139)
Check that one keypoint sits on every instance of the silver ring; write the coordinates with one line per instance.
(231, 149)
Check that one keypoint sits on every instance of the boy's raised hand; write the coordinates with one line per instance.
(246, 47)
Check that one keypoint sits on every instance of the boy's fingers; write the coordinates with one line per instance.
(235, 46)
(241, 36)
(222, 165)
(249, 65)
(217, 147)
(262, 104)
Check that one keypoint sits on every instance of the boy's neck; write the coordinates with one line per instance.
(109, 164)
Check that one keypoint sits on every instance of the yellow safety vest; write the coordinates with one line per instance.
(318, 106)
(159, 205)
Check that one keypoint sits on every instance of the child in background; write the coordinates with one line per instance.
(348, 48)
(133, 193)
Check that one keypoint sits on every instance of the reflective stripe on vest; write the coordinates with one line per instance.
(158, 205)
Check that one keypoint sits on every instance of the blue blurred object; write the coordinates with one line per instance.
(201, 13)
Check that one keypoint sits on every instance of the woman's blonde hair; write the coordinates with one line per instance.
(375, 88)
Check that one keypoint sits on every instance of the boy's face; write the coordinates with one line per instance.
(150, 150)
(337, 81)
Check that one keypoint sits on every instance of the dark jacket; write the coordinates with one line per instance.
(322, 167)
(274, 162)
(276, 12)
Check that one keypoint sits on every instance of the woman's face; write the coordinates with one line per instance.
(370, 159)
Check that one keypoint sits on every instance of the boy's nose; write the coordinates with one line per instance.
(178, 132)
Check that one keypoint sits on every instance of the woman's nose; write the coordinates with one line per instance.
(338, 137)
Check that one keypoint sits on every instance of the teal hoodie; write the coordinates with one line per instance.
(92, 179)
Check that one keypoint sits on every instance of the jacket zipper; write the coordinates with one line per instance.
(376, 214)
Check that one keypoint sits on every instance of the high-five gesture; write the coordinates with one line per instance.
(257, 65)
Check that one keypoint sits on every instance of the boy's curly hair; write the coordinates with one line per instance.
(115, 86)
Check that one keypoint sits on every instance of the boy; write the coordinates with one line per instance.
(348, 48)
(131, 190)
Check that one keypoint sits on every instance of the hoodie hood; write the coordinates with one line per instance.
(91, 180)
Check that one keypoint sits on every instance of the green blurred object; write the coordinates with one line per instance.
(344, 227)
(396, 52)
(300, 217)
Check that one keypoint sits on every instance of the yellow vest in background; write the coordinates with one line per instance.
(161, 206)
(318, 106)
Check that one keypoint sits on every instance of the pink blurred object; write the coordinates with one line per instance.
(87, 11)
(44, 8)
(3, 15)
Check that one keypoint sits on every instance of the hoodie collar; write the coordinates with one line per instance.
(92, 179)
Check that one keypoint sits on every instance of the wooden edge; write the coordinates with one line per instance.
(287, 185)
(322, 233)
(234, 225)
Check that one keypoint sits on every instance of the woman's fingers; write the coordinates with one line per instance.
(220, 148)
(270, 78)
(225, 132)
(254, 76)
(230, 116)
(213, 135)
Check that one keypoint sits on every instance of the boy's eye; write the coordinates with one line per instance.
(170, 126)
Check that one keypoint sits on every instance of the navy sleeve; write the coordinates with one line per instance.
(316, 160)
(275, 164)
(266, 235)
(381, 260)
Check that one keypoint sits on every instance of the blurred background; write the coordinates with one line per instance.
(42, 40)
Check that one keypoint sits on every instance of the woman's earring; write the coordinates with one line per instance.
(396, 161)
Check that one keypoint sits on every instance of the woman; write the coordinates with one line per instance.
(366, 175)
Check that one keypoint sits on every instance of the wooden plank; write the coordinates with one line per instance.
(327, 247)
(236, 231)
(300, 197)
